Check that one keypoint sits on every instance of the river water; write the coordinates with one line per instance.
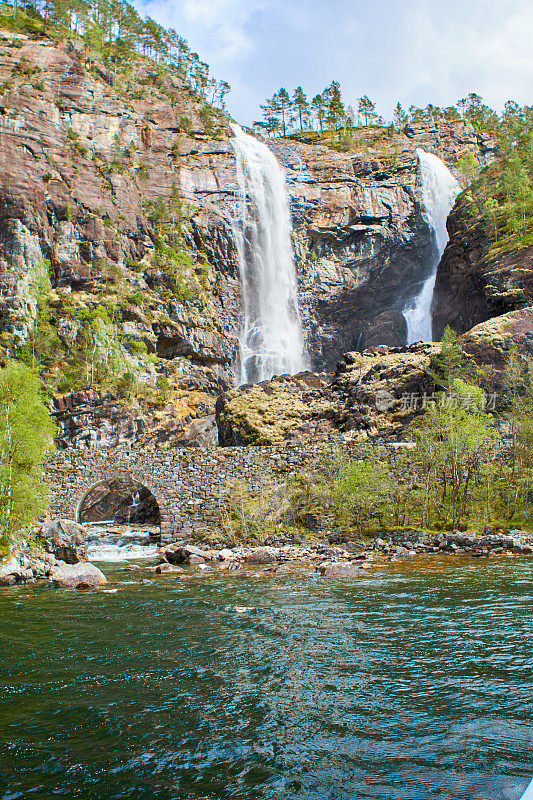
(415, 682)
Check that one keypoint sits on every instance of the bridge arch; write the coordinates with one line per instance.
(120, 500)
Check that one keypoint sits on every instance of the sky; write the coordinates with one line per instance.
(413, 51)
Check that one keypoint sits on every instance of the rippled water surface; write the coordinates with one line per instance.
(416, 682)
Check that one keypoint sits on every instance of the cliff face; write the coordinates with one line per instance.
(84, 158)
(361, 240)
(364, 246)
(117, 256)
(477, 278)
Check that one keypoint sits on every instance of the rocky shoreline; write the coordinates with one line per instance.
(347, 560)
(63, 559)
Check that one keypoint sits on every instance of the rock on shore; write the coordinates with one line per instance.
(66, 540)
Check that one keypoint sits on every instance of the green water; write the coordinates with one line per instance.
(415, 682)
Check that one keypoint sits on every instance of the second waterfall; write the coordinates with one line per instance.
(271, 341)
(439, 190)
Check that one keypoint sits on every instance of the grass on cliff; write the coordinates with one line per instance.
(94, 350)
(360, 139)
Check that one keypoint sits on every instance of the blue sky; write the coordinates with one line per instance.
(414, 51)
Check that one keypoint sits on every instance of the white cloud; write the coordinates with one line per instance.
(482, 47)
(216, 28)
(417, 51)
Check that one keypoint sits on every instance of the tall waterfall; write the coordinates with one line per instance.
(439, 190)
(271, 341)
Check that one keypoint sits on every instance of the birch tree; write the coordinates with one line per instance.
(26, 437)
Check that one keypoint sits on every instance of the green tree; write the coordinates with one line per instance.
(462, 105)
(490, 209)
(452, 363)
(512, 122)
(453, 439)
(26, 437)
(318, 104)
(469, 168)
(366, 108)
(284, 105)
(301, 105)
(272, 114)
(362, 489)
(451, 114)
(335, 107)
(518, 191)
(400, 116)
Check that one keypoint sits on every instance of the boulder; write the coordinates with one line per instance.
(490, 343)
(261, 555)
(15, 570)
(168, 569)
(186, 554)
(66, 540)
(340, 570)
(194, 559)
(9, 571)
(73, 575)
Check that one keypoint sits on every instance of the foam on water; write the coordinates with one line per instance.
(124, 546)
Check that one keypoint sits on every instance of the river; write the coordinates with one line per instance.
(414, 682)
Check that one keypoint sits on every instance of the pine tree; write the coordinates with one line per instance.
(400, 116)
(284, 105)
(519, 193)
(367, 108)
(301, 105)
(318, 104)
(335, 107)
(462, 105)
(272, 114)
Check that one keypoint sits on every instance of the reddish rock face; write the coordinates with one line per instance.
(80, 161)
(83, 154)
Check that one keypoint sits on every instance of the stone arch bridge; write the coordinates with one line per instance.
(191, 485)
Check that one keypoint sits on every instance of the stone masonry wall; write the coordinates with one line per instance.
(191, 486)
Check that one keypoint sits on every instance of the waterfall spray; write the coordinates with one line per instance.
(271, 340)
(439, 190)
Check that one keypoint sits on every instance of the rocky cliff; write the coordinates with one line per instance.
(118, 270)
(85, 156)
(480, 276)
(361, 239)
(375, 394)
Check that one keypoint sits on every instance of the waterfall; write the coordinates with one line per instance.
(439, 190)
(135, 500)
(271, 340)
